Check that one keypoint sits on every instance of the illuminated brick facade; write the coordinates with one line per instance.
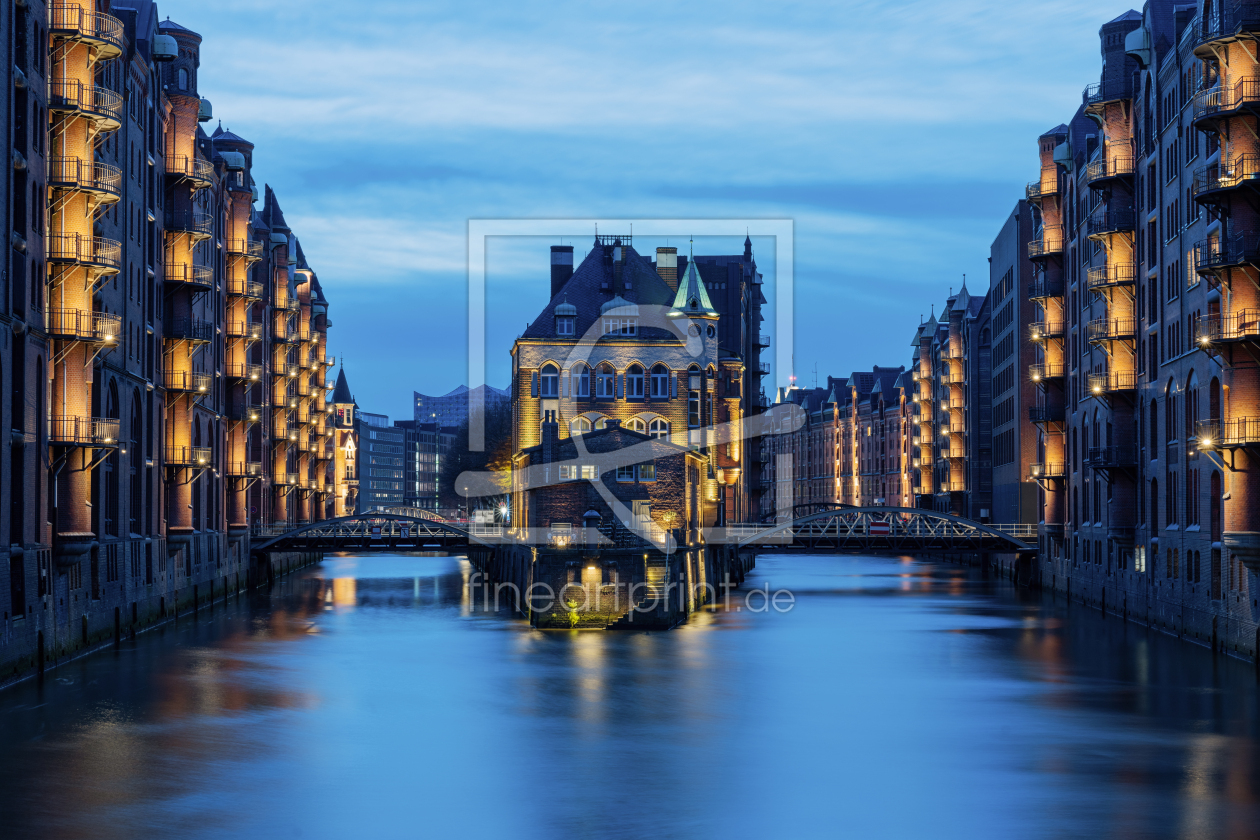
(159, 334)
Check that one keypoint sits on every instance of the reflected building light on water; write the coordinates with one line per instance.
(344, 592)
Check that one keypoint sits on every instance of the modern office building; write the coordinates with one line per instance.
(451, 409)
(382, 462)
(425, 445)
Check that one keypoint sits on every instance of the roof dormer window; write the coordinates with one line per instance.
(621, 326)
(564, 325)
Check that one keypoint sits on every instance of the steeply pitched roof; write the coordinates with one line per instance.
(222, 135)
(341, 394)
(592, 285)
(692, 297)
(272, 213)
(169, 25)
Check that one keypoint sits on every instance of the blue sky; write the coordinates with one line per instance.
(897, 136)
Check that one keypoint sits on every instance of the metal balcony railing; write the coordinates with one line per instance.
(101, 31)
(1104, 222)
(83, 431)
(1103, 276)
(1050, 241)
(1242, 248)
(251, 373)
(99, 104)
(1045, 330)
(1221, 176)
(1047, 470)
(1046, 371)
(248, 248)
(763, 340)
(1103, 169)
(1111, 329)
(1111, 382)
(1211, 105)
(251, 330)
(189, 329)
(290, 479)
(83, 325)
(192, 275)
(1228, 19)
(1047, 184)
(245, 469)
(85, 175)
(1228, 434)
(763, 368)
(95, 252)
(245, 412)
(200, 172)
(1112, 457)
(281, 430)
(188, 456)
(187, 381)
(198, 224)
(1109, 90)
(1046, 414)
(245, 288)
(284, 333)
(1243, 325)
(1041, 288)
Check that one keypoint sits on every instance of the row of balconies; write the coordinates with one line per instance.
(1222, 176)
(1108, 382)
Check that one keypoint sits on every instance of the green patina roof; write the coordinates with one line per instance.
(692, 297)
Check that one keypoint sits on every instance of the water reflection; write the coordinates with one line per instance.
(378, 695)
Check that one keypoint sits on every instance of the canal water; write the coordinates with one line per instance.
(372, 697)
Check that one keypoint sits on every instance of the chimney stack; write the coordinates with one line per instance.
(561, 267)
(667, 266)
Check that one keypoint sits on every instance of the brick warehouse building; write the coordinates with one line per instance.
(1146, 272)
(165, 343)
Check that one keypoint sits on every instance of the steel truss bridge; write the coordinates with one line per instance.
(864, 530)
(885, 530)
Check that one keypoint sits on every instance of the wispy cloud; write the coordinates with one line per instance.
(897, 135)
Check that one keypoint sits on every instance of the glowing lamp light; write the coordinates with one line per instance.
(1036, 377)
(1205, 443)
(1097, 389)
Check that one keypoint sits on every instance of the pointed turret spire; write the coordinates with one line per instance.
(692, 298)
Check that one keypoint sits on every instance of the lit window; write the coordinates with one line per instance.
(621, 326)
(660, 381)
(581, 377)
(636, 425)
(634, 382)
(605, 379)
(550, 381)
(579, 426)
(659, 429)
(625, 473)
(568, 472)
(589, 472)
(647, 472)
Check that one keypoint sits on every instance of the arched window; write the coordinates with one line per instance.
(550, 383)
(1154, 428)
(1214, 399)
(1154, 505)
(183, 79)
(634, 382)
(579, 426)
(659, 429)
(605, 381)
(1170, 413)
(660, 382)
(693, 397)
(581, 377)
(636, 424)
